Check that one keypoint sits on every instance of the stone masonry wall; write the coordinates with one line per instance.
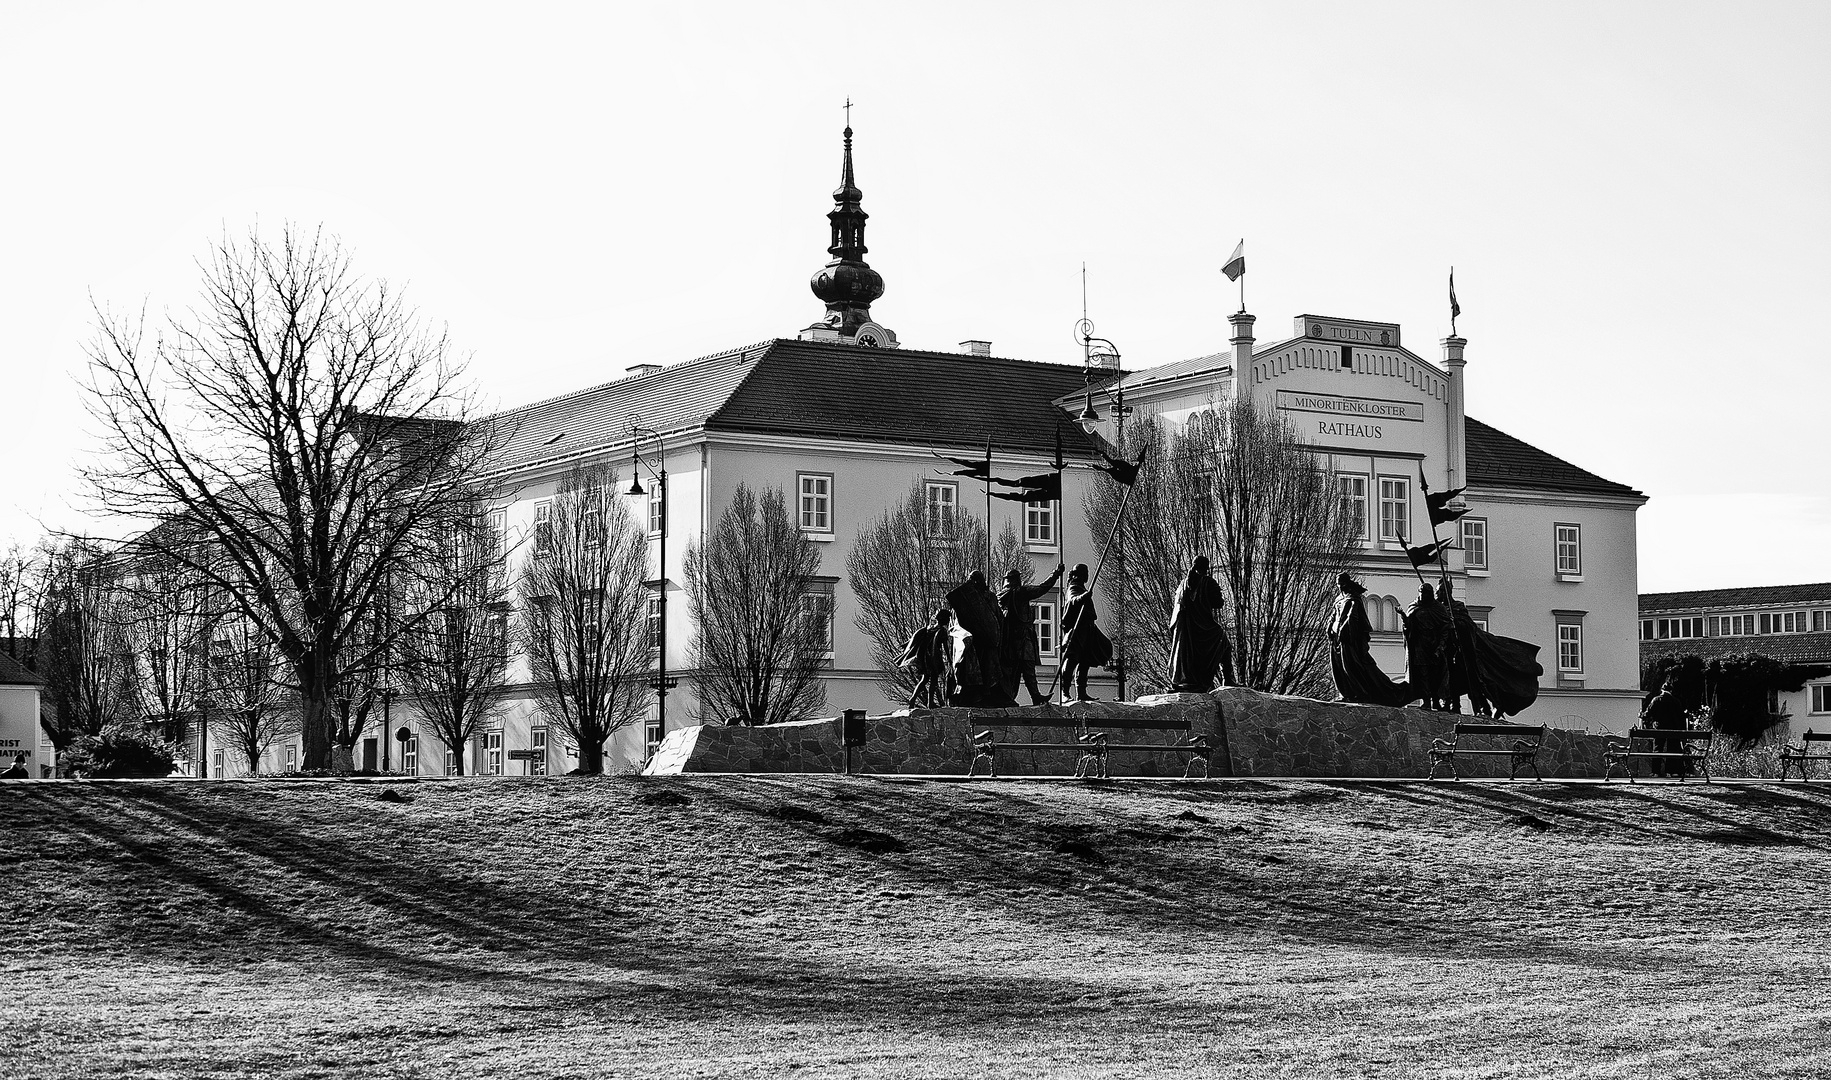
(1262, 735)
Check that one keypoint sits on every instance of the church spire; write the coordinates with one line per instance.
(847, 284)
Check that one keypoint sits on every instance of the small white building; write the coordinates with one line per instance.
(20, 731)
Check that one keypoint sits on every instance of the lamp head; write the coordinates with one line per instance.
(635, 485)
(1088, 419)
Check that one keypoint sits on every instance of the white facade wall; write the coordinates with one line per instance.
(1387, 414)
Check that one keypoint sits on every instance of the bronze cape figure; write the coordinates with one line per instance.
(978, 677)
(1198, 643)
(1500, 674)
(1020, 653)
(1357, 677)
(1083, 645)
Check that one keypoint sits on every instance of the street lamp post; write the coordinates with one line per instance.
(1089, 420)
(661, 684)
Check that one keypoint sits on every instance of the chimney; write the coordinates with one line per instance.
(1458, 433)
(636, 371)
(976, 348)
(1242, 347)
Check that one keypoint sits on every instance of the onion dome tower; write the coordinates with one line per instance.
(847, 284)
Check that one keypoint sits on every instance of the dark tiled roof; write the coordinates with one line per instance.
(1778, 596)
(1496, 459)
(672, 399)
(13, 673)
(818, 390)
(905, 396)
(1789, 648)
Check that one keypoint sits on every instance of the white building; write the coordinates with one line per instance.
(1548, 550)
(844, 421)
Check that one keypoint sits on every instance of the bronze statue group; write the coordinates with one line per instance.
(981, 649)
(1447, 657)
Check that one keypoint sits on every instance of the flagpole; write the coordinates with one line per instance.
(1092, 580)
(988, 511)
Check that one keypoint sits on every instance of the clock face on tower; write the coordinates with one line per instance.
(868, 339)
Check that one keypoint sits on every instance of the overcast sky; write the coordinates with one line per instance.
(1634, 197)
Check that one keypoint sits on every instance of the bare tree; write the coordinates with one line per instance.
(19, 582)
(762, 633)
(902, 567)
(584, 613)
(83, 652)
(252, 706)
(1238, 485)
(308, 426)
(170, 619)
(455, 665)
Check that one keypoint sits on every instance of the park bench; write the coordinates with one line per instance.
(1093, 742)
(1523, 752)
(1791, 756)
(1693, 751)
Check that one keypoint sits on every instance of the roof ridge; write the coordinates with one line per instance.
(570, 394)
(1824, 585)
(1050, 364)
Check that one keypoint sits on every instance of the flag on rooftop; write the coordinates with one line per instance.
(1236, 263)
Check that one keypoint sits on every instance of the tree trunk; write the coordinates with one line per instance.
(591, 750)
(315, 703)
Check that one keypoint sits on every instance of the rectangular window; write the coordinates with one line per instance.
(451, 763)
(1039, 524)
(1788, 617)
(1395, 508)
(817, 614)
(1045, 626)
(537, 742)
(1821, 698)
(498, 522)
(1569, 539)
(410, 757)
(1767, 623)
(1818, 622)
(543, 528)
(1646, 629)
(654, 625)
(1715, 626)
(657, 506)
(1474, 543)
(1351, 489)
(216, 763)
(943, 502)
(651, 737)
(292, 759)
(492, 752)
(816, 501)
(1570, 648)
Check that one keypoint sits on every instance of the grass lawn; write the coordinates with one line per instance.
(738, 926)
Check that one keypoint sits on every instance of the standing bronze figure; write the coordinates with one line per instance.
(1357, 677)
(1429, 637)
(1084, 646)
(930, 655)
(1020, 651)
(1198, 643)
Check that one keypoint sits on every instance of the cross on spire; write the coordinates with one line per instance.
(848, 112)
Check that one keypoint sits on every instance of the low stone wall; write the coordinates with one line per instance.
(1261, 735)
(1271, 735)
(937, 742)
